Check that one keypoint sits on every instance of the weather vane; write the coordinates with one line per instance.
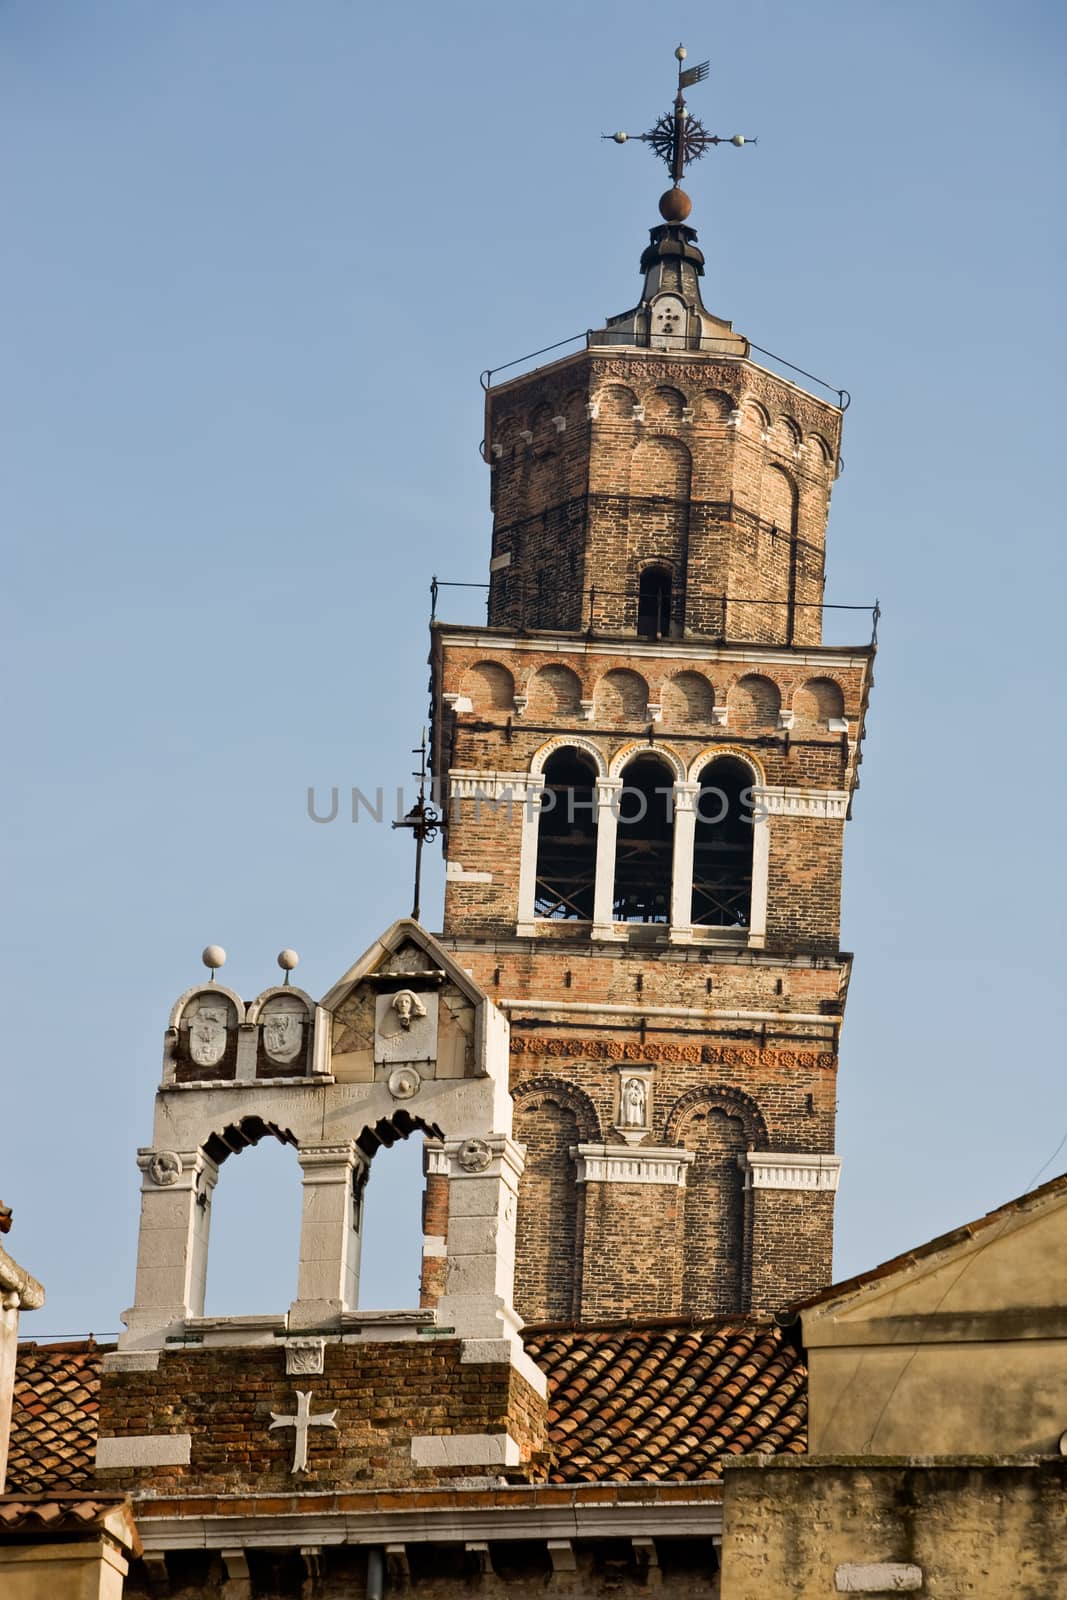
(423, 821)
(679, 138)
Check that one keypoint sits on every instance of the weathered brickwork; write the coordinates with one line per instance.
(717, 470)
(383, 1393)
(704, 481)
(547, 1266)
(631, 1263)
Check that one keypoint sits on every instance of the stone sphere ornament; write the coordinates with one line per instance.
(213, 956)
(288, 959)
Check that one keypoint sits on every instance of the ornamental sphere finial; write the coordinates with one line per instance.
(213, 956)
(675, 205)
(681, 53)
(288, 959)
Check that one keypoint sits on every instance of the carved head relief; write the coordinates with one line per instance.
(406, 1007)
(406, 1026)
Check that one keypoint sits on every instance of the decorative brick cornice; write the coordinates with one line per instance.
(604, 1163)
(779, 1169)
(669, 1052)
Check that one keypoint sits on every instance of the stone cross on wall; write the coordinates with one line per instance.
(302, 1421)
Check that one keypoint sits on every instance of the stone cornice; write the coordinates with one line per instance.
(18, 1291)
(707, 651)
(604, 1163)
(779, 801)
(781, 1169)
(486, 1512)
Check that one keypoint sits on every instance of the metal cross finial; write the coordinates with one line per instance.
(422, 819)
(302, 1421)
(678, 138)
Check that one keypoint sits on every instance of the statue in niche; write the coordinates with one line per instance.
(283, 1035)
(405, 1008)
(634, 1104)
(207, 1036)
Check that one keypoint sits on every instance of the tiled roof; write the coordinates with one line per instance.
(652, 1401)
(53, 1417)
(667, 1400)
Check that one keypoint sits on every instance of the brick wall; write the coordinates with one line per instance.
(718, 469)
(384, 1393)
(631, 1263)
(546, 1255)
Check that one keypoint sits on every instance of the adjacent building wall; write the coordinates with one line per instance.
(808, 1526)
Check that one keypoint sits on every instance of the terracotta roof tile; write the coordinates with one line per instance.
(667, 1400)
(658, 1401)
(53, 1417)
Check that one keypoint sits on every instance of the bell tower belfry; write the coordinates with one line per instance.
(645, 762)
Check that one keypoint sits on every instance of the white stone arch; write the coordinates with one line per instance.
(645, 747)
(712, 752)
(567, 741)
(685, 842)
(178, 1008)
(255, 1006)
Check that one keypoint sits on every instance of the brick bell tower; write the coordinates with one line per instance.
(645, 762)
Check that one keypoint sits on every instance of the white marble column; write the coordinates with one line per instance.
(761, 861)
(531, 823)
(685, 819)
(328, 1275)
(172, 1247)
(483, 1192)
(608, 793)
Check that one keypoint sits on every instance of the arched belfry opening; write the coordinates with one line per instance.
(654, 599)
(390, 1198)
(566, 838)
(644, 845)
(722, 854)
(255, 1207)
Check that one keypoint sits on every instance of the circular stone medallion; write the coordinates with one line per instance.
(474, 1156)
(165, 1167)
(403, 1083)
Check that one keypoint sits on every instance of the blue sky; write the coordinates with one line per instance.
(254, 258)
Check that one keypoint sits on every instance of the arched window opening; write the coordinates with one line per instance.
(566, 838)
(390, 1218)
(722, 855)
(255, 1233)
(645, 842)
(654, 603)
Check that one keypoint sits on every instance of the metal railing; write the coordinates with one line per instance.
(526, 611)
(649, 341)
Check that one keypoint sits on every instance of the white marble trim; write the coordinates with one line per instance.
(780, 1169)
(601, 1163)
